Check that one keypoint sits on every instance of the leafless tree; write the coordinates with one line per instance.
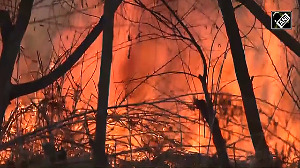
(154, 114)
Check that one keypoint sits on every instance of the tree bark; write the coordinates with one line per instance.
(245, 84)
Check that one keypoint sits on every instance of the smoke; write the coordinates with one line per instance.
(265, 55)
(142, 48)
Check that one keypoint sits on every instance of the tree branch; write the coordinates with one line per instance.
(218, 139)
(241, 70)
(33, 86)
(5, 25)
(23, 17)
(11, 47)
(12, 38)
(265, 19)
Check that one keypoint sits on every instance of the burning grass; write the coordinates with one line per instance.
(166, 132)
(151, 122)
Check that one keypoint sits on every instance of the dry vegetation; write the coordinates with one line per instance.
(162, 130)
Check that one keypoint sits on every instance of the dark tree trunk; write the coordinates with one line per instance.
(265, 19)
(11, 39)
(216, 132)
(221, 144)
(100, 158)
(245, 84)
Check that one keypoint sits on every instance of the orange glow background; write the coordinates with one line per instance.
(149, 55)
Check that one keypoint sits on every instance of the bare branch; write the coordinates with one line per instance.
(5, 25)
(245, 84)
(33, 86)
(23, 17)
(265, 19)
(11, 48)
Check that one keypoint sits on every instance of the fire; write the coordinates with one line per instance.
(151, 108)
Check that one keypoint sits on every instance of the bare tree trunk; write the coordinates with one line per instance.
(245, 84)
(99, 157)
(221, 144)
(11, 38)
(218, 139)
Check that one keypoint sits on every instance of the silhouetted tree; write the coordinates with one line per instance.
(104, 82)
(12, 35)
